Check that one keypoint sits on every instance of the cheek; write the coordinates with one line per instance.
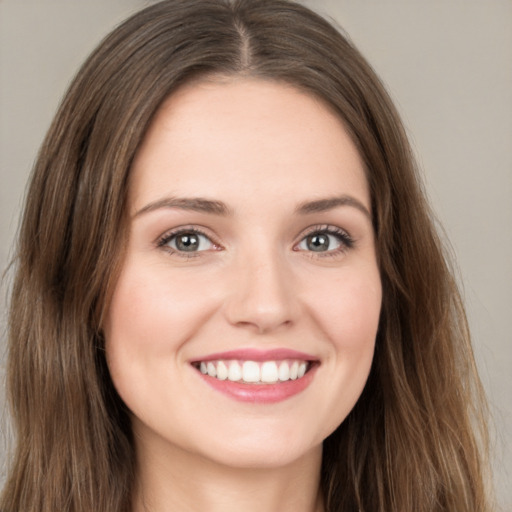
(348, 309)
(154, 313)
(151, 317)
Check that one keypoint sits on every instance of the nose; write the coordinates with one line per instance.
(262, 295)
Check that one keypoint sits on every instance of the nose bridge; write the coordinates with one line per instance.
(262, 295)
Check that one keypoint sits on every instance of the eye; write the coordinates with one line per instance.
(326, 240)
(319, 242)
(186, 241)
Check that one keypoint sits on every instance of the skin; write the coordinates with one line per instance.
(263, 149)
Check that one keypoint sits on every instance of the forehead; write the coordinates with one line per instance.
(240, 138)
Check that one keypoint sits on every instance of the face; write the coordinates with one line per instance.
(243, 323)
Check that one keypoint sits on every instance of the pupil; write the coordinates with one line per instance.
(187, 242)
(318, 242)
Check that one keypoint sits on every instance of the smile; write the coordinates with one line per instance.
(257, 376)
(254, 372)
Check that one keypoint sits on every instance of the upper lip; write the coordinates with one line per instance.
(250, 354)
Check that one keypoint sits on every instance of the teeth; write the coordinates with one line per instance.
(235, 372)
(284, 371)
(212, 371)
(252, 372)
(294, 370)
(269, 372)
(222, 371)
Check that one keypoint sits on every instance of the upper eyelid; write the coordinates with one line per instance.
(200, 230)
(324, 227)
(329, 228)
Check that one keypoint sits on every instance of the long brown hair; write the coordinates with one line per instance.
(416, 439)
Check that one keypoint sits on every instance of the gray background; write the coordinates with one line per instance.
(447, 64)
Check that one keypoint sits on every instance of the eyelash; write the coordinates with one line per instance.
(170, 235)
(345, 240)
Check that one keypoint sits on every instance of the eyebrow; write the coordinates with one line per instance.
(197, 204)
(202, 205)
(329, 203)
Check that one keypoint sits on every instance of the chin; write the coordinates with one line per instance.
(268, 457)
(263, 446)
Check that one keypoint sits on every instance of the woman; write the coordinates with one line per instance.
(229, 291)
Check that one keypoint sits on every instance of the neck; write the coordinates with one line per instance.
(171, 479)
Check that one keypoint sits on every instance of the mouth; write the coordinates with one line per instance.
(256, 376)
(254, 372)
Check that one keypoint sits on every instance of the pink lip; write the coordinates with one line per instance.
(260, 393)
(249, 354)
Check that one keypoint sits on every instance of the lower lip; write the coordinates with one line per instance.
(261, 393)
